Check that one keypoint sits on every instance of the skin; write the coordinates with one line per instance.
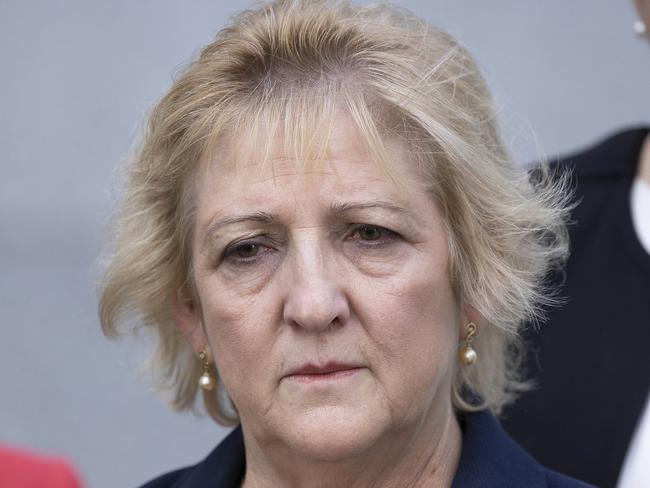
(643, 8)
(644, 161)
(336, 264)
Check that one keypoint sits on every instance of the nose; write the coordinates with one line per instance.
(314, 297)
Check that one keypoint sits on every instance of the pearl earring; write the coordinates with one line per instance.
(467, 354)
(206, 381)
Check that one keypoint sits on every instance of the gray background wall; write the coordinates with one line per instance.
(76, 78)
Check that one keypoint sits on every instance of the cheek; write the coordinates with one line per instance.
(240, 337)
(414, 326)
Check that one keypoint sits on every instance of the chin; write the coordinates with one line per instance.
(333, 434)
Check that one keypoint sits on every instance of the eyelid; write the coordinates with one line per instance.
(262, 240)
(361, 225)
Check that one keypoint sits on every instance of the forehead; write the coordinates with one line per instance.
(340, 150)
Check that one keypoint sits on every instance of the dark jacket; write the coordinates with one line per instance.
(489, 459)
(590, 360)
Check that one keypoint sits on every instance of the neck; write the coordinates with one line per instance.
(426, 456)
(643, 170)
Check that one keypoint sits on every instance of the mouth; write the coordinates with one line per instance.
(332, 371)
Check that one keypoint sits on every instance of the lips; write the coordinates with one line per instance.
(330, 368)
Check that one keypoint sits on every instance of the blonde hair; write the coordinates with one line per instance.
(290, 65)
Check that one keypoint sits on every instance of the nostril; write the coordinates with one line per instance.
(334, 324)
(316, 312)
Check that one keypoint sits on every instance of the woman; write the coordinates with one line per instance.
(322, 221)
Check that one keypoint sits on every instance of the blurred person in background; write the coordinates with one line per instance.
(590, 415)
(23, 469)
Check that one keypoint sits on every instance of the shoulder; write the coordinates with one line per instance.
(615, 155)
(557, 480)
(491, 459)
(168, 480)
(223, 468)
(599, 178)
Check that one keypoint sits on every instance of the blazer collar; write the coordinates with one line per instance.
(223, 468)
(489, 459)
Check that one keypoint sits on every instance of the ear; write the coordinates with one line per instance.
(188, 321)
(469, 314)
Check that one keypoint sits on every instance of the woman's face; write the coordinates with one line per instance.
(326, 299)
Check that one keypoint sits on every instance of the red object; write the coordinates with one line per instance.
(20, 469)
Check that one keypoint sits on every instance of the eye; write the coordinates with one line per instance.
(372, 235)
(369, 233)
(246, 250)
(249, 251)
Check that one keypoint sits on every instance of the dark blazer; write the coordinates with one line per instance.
(590, 360)
(490, 459)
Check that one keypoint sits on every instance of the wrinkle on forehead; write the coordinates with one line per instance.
(270, 157)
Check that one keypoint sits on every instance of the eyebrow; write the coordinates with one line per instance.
(335, 209)
(261, 217)
(345, 207)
